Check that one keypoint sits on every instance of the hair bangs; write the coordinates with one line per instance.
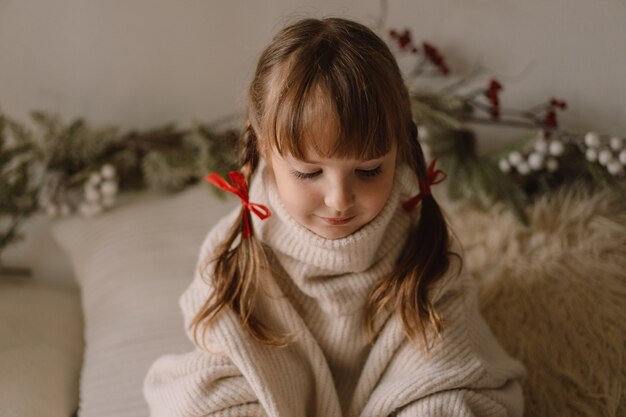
(318, 105)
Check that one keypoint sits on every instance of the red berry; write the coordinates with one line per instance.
(404, 39)
(561, 104)
(550, 119)
(494, 85)
(435, 57)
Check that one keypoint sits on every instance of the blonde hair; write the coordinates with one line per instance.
(359, 77)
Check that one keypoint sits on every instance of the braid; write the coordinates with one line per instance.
(418, 163)
(248, 151)
(238, 263)
(249, 161)
(422, 263)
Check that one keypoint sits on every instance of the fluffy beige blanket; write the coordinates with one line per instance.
(555, 295)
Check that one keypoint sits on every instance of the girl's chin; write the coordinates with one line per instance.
(333, 232)
(334, 235)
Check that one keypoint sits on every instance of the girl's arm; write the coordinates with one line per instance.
(198, 384)
(468, 371)
(504, 402)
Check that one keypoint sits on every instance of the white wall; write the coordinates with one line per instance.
(142, 63)
(137, 63)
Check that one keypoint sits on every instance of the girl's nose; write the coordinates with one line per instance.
(339, 197)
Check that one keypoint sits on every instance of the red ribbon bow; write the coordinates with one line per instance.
(240, 189)
(433, 176)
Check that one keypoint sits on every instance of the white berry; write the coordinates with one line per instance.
(605, 156)
(515, 158)
(523, 168)
(422, 132)
(614, 168)
(541, 146)
(622, 157)
(616, 143)
(107, 171)
(108, 188)
(591, 154)
(592, 139)
(504, 165)
(92, 194)
(535, 160)
(94, 179)
(556, 148)
(552, 164)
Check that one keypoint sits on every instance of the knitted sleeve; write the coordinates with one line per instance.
(198, 383)
(493, 388)
(466, 373)
(504, 402)
(201, 382)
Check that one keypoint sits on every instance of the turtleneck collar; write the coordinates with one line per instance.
(337, 272)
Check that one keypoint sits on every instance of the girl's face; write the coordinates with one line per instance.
(333, 197)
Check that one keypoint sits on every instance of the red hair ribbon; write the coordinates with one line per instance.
(240, 189)
(433, 176)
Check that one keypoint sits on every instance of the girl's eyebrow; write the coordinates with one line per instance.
(313, 162)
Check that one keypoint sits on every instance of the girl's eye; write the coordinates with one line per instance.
(305, 175)
(366, 173)
(369, 172)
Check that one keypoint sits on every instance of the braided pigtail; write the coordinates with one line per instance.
(424, 260)
(239, 264)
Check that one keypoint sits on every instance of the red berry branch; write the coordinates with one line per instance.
(492, 94)
(430, 55)
(436, 58)
(403, 40)
(539, 161)
(550, 120)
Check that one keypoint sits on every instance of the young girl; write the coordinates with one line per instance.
(334, 290)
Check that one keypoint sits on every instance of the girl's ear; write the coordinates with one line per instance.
(267, 157)
(264, 152)
(269, 167)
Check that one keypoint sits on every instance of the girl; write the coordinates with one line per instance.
(334, 290)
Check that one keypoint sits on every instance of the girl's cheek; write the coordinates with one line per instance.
(301, 195)
(306, 194)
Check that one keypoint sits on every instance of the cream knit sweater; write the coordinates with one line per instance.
(316, 290)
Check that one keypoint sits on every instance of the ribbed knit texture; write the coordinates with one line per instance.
(317, 290)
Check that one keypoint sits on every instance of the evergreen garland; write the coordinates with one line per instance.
(64, 168)
(18, 192)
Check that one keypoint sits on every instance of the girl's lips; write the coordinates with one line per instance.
(337, 221)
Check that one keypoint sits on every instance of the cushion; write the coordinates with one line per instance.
(554, 294)
(132, 264)
(40, 349)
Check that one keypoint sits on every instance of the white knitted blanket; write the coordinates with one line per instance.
(316, 291)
